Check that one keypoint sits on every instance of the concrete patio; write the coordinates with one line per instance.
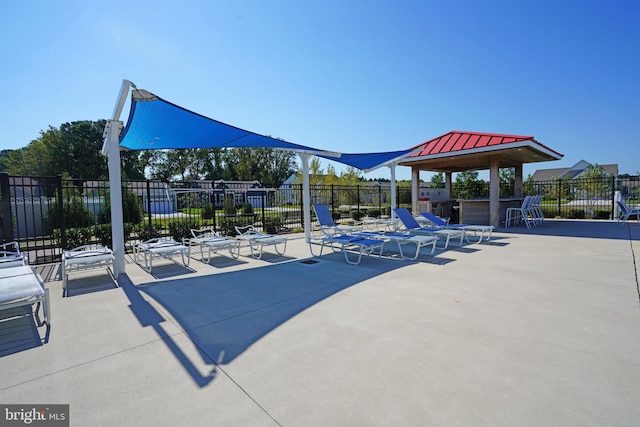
(535, 327)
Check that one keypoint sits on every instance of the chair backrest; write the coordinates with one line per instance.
(526, 203)
(324, 216)
(434, 219)
(10, 255)
(204, 233)
(407, 219)
(623, 207)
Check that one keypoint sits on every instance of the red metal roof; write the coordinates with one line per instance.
(457, 141)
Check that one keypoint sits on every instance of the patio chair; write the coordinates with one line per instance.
(475, 229)
(159, 247)
(20, 286)
(412, 226)
(10, 255)
(213, 241)
(257, 241)
(516, 214)
(87, 257)
(626, 212)
(351, 243)
(328, 226)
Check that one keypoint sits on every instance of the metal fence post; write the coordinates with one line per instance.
(150, 225)
(6, 218)
(63, 228)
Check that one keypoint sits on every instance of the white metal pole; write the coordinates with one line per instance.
(306, 196)
(392, 167)
(115, 192)
(111, 149)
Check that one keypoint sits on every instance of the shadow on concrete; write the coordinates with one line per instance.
(225, 313)
(594, 229)
(19, 330)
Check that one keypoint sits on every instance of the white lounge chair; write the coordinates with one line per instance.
(159, 247)
(412, 226)
(10, 255)
(405, 239)
(213, 241)
(470, 228)
(328, 226)
(20, 286)
(87, 257)
(626, 212)
(257, 241)
(351, 243)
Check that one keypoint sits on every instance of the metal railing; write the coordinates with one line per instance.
(46, 215)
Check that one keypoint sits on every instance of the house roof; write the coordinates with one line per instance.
(572, 172)
(460, 150)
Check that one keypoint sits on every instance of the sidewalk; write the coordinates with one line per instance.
(536, 327)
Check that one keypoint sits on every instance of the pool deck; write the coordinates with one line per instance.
(535, 327)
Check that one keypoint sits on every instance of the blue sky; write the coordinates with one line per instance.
(351, 76)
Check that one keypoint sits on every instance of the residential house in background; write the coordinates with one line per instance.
(574, 172)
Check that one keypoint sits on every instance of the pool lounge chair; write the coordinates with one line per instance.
(351, 244)
(328, 227)
(83, 258)
(213, 241)
(159, 247)
(626, 212)
(412, 226)
(20, 286)
(468, 228)
(404, 239)
(257, 241)
(10, 255)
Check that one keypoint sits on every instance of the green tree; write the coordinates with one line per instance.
(466, 185)
(437, 180)
(72, 150)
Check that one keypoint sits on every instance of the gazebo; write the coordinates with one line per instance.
(459, 151)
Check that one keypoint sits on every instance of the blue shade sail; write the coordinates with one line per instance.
(369, 161)
(158, 124)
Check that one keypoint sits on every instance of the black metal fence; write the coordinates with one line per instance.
(46, 215)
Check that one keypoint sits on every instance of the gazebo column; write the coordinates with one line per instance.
(448, 182)
(517, 184)
(415, 187)
(494, 192)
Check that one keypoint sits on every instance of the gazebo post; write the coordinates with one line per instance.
(494, 192)
(415, 187)
(517, 184)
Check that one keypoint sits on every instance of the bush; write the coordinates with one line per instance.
(75, 214)
(229, 206)
(272, 224)
(357, 215)
(104, 235)
(373, 213)
(79, 236)
(131, 209)
(228, 225)
(181, 229)
(576, 214)
(145, 234)
(601, 215)
(208, 212)
(247, 208)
